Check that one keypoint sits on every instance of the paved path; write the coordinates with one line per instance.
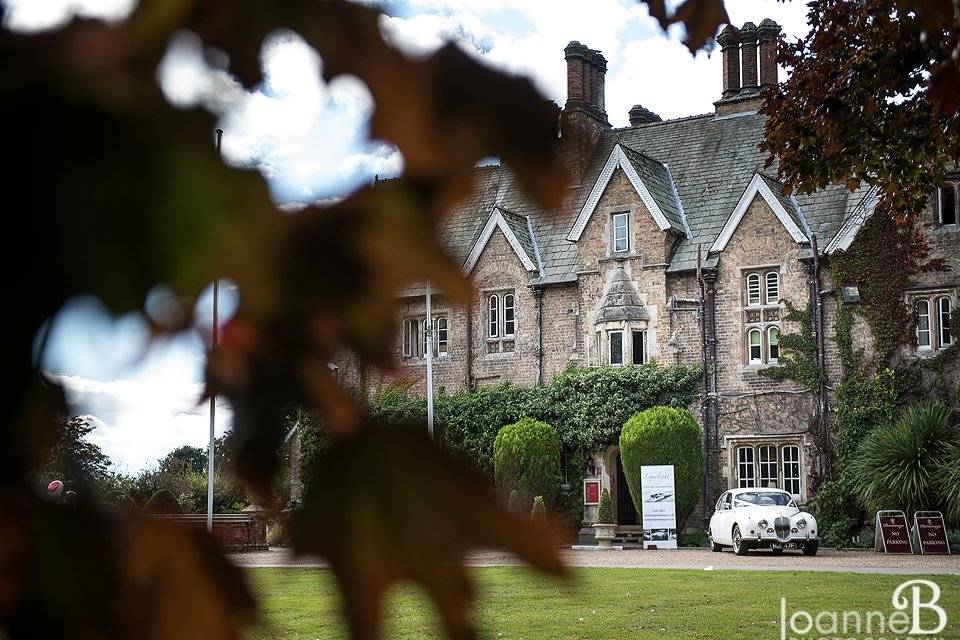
(825, 560)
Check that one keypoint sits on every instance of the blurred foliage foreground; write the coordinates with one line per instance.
(112, 192)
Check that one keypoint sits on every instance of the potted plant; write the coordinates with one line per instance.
(539, 510)
(604, 527)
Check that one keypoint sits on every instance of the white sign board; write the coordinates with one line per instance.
(659, 507)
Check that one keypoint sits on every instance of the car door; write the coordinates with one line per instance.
(719, 523)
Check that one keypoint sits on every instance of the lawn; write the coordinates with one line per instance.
(598, 603)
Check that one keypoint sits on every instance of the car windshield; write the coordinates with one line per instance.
(765, 498)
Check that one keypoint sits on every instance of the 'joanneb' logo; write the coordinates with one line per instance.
(915, 604)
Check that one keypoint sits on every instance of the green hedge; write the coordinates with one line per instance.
(526, 459)
(665, 435)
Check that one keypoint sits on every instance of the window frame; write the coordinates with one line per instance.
(944, 333)
(614, 217)
(493, 315)
(923, 302)
(764, 467)
(751, 277)
(750, 346)
(771, 344)
(633, 346)
(744, 482)
(410, 339)
(512, 308)
(941, 208)
(610, 359)
(798, 478)
(775, 287)
(445, 341)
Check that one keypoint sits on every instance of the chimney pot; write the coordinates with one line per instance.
(586, 69)
(748, 55)
(729, 41)
(641, 115)
(767, 33)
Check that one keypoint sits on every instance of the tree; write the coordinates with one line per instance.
(73, 459)
(665, 435)
(526, 458)
(873, 97)
(185, 457)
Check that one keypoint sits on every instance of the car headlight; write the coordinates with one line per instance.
(802, 523)
(763, 524)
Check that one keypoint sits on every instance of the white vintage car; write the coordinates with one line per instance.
(758, 518)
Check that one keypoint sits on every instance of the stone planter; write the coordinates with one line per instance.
(604, 533)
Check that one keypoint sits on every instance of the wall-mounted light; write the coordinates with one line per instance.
(851, 295)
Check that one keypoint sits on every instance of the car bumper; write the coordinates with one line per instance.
(794, 541)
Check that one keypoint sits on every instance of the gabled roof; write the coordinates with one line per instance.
(519, 233)
(861, 210)
(785, 208)
(653, 183)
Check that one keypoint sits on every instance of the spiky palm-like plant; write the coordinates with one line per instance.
(897, 466)
(947, 475)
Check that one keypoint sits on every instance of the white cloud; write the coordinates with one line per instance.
(33, 16)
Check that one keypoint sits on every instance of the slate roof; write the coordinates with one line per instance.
(518, 224)
(621, 302)
(707, 161)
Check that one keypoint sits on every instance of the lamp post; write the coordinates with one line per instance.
(428, 332)
(213, 399)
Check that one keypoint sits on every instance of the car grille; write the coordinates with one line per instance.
(782, 526)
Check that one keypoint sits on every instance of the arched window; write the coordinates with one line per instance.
(745, 471)
(773, 345)
(767, 455)
(923, 324)
(494, 316)
(948, 204)
(791, 469)
(755, 346)
(943, 318)
(509, 321)
(410, 338)
(443, 336)
(773, 287)
(753, 289)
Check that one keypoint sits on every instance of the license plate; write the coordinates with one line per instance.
(783, 545)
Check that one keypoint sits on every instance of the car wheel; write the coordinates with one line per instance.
(810, 548)
(740, 546)
(776, 552)
(713, 545)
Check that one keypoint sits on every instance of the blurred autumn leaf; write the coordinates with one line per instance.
(112, 192)
(388, 505)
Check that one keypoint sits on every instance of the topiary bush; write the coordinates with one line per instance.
(526, 458)
(896, 466)
(605, 508)
(665, 435)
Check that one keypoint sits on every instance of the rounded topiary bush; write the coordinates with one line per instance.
(665, 435)
(526, 458)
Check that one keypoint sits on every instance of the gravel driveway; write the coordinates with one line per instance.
(687, 558)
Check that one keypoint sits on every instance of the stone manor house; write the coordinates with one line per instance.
(613, 278)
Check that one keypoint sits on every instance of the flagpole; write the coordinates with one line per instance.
(213, 398)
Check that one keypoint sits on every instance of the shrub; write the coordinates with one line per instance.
(665, 435)
(947, 477)
(605, 508)
(538, 510)
(513, 504)
(526, 458)
(895, 466)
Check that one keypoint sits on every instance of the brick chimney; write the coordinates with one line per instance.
(748, 55)
(641, 115)
(767, 32)
(584, 116)
(744, 71)
(729, 41)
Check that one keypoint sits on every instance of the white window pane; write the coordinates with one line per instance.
(616, 347)
(923, 324)
(754, 345)
(943, 307)
(773, 344)
(767, 455)
(621, 232)
(745, 471)
(773, 287)
(409, 341)
(442, 334)
(494, 316)
(509, 320)
(791, 469)
(753, 288)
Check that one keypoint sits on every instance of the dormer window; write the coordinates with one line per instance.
(620, 226)
(947, 205)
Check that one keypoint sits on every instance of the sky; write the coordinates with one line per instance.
(308, 139)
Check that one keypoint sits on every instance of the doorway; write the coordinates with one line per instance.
(626, 511)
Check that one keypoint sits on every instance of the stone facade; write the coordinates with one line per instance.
(618, 264)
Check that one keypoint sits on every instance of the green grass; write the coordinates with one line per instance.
(596, 604)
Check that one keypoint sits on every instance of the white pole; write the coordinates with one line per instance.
(213, 399)
(428, 327)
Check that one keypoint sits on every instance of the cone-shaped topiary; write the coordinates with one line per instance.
(605, 508)
(526, 458)
(538, 510)
(665, 435)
